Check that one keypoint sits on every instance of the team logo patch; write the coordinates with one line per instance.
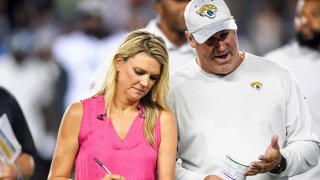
(256, 85)
(208, 10)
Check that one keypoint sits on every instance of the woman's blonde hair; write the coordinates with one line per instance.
(155, 100)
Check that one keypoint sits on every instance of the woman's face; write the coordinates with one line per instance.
(136, 76)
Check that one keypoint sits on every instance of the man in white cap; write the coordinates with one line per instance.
(239, 116)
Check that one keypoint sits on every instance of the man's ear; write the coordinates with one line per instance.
(190, 39)
(159, 8)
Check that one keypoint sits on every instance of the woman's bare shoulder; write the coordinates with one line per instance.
(73, 116)
(166, 116)
(75, 110)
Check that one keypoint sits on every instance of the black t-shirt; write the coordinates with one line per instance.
(10, 106)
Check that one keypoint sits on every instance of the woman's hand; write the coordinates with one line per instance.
(113, 177)
(213, 177)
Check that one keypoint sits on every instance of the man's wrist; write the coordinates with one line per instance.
(280, 167)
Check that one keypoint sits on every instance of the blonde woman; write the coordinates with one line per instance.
(127, 126)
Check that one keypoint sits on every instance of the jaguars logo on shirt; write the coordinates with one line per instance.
(256, 85)
(208, 10)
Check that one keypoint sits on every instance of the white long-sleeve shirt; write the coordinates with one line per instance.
(304, 63)
(237, 115)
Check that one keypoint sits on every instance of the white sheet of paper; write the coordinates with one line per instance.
(10, 148)
(233, 170)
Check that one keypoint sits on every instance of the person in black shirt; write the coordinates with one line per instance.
(23, 166)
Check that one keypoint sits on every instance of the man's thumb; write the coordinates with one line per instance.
(274, 142)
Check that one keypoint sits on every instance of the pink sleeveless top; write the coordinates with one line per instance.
(134, 158)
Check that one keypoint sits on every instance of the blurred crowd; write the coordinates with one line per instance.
(49, 50)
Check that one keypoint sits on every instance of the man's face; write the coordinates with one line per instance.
(219, 54)
(307, 23)
(171, 11)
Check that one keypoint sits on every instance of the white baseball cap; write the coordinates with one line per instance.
(206, 17)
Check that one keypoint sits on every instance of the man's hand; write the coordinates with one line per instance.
(213, 177)
(268, 161)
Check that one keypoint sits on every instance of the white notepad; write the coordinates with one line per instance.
(10, 148)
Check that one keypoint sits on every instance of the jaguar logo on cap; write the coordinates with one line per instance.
(208, 10)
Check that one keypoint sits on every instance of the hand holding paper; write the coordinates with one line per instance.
(233, 170)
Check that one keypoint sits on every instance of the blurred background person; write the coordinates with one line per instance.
(170, 25)
(302, 57)
(97, 29)
(28, 71)
(23, 166)
(80, 51)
